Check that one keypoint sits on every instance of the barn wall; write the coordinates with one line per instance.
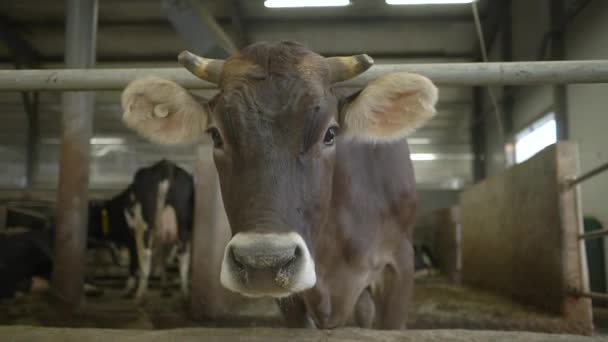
(431, 200)
(585, 39)
(520, 236)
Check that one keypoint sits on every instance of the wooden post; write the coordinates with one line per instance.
(73, 195)
(211, 235)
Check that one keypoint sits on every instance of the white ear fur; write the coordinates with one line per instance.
(391, 107)
(162, 111)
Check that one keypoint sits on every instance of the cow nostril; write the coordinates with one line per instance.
(290, 258)
(244, 258)
(236, 259)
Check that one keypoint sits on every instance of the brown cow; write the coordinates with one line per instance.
(318, 189)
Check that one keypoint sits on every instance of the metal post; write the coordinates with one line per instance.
(478, 136)
(507, 56)
(31, 104)
(558, 52)
(73, 195)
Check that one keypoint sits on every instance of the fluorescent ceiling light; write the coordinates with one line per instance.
(428, 2)
(107, 149)
(418, 141)
(423, 156)
(305, 3)
(107, 141)
(94, 141)
(440, 156)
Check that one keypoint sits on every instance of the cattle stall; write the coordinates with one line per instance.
(481, 309)
(507, 260)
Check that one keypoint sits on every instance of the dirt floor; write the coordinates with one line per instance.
(437, 305)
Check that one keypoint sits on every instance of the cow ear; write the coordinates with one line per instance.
(163, 112)
(390, 107)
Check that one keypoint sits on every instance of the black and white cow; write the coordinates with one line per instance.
(107, 222)
(154, 214)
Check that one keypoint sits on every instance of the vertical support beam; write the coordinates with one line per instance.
(77, 127)
(478, 136)
(507, 56)
(30, 102)
(236, 17)
(211, 234)
(558, 52)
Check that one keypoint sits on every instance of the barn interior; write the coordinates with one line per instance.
(511, 221)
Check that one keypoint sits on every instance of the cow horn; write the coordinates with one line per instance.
(345, 68)
(206, 69)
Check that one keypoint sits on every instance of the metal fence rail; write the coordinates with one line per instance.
(594, 234)
(454, 74)
(576, 181)
(573, 183)
(592, 173)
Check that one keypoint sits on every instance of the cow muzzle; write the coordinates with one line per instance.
(273, 265)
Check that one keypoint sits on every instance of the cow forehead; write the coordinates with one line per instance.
(286, 59)
(273, 110)
(271, 96)
(278, 91)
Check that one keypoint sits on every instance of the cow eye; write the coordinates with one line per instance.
(330, 136)
(217, 138)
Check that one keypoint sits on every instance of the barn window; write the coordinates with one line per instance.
(535, 137)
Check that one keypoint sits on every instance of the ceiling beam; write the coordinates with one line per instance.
(199, 29)
(492, 24)
(237, 21)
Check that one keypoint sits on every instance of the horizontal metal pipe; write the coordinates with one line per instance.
(594, 234)
(592, 173)
(592, 295)
(455, 74)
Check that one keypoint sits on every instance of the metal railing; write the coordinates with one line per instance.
(572, 183)
(576, 181)
(455, 74)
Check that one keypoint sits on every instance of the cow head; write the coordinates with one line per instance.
(274, 126)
